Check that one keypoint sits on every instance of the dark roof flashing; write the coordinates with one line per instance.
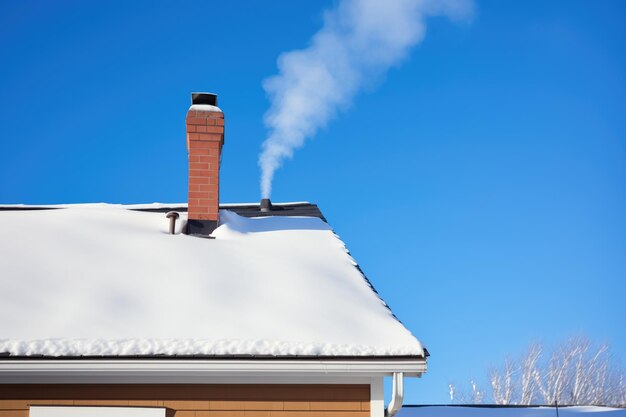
(255, 210)
(244, 210)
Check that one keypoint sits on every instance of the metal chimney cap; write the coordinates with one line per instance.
(266, 205)
(204, 98)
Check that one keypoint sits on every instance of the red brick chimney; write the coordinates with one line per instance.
(205, 137)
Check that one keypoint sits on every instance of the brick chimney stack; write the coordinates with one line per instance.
(205, 137)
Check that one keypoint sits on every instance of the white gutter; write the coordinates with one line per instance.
(34, 371)
(397, 395)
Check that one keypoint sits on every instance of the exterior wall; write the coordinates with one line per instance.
(197, 400)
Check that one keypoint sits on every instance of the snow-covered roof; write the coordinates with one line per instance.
(495, 411)
(104, 280)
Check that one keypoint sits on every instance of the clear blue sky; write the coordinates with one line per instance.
(481, 185)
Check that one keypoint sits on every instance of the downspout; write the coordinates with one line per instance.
(397, 395)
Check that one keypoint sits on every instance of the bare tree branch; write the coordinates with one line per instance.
(577, 372)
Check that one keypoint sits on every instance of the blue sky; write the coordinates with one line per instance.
(481, 184)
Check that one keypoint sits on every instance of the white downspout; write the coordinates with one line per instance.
(397, 394)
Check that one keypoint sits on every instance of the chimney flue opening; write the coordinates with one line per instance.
(266, 205)
(204, 98)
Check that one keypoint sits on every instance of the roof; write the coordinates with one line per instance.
(297, 209)
(108, 280)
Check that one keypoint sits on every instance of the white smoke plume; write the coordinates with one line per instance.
(358, 42)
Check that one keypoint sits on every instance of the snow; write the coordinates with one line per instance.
(204, 107)
(458, 411)
(99, 279)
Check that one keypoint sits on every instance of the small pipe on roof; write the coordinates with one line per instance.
(172, 215)
(266, 205)
(397, 395)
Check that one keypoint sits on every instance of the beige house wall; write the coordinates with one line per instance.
(197, 400)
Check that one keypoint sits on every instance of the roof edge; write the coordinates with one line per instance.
(163, 370)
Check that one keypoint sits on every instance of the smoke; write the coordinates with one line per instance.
(358, 42)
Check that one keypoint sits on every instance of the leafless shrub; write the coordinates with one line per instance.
(577, 372)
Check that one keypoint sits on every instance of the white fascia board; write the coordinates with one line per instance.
(202, 371)
(377, 397)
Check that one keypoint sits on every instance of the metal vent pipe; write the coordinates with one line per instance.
(266, 205)
(172, 215)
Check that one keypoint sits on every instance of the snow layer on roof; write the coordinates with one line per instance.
(456, 411)
(99, 279)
